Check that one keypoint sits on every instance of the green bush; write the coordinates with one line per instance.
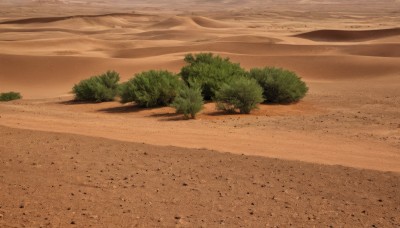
(280, 86)
(10, 96)
(151, 88)
(210, 72)
(99, 88)
(189, 101)
(243, 94)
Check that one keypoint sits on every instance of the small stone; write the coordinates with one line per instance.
(73, 222)
(177, 217)
(22, 205)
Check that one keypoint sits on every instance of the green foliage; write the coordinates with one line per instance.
(189, 101)
(151, 88)
(10, 96)
(99, 88)
(243, 94)
(280, 86)
(210, 72)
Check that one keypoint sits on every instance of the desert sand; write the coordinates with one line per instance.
(331, 159)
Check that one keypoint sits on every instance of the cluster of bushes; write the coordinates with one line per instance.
(9, 96)
(97, 88)
(205, 77)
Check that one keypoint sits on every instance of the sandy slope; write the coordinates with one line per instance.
(61, 180)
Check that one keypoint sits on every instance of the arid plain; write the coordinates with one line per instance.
(333, 159)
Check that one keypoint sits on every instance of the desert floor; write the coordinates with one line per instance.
(332, 159)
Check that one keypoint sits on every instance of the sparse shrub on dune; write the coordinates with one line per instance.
(189, 101)
(279, 85)
(9, 96)
(243, 94)
(99, 88)
(151, 88)
(210, 71)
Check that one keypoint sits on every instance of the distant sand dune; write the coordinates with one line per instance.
(176, 21)
(343, 35)
(55, 19)
(189, 22)
(210, 23)
(250, 39)
(185, 35)
(379, 50)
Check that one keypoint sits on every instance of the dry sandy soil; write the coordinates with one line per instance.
(331, 159)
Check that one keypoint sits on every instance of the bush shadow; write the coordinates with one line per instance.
(124, 109)
(168, 116)
(75, 102)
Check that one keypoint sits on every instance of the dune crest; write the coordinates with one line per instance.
(195, 22)
(210, 23)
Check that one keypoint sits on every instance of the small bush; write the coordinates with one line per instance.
(243, 94)
(189, 101)
(210, 72)
(97, 88)
(10, 96)
(151, 88)
(280, 86)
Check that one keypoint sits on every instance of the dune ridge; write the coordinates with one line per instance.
(63, 18)
(189, 22)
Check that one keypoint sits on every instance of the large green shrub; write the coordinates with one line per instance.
(151, 88)
(210, 72)
(189, 101)
(243, 94)
(280, 86)
(9, 96)
(99, 88)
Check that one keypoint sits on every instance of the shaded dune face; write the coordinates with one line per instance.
(345, 36)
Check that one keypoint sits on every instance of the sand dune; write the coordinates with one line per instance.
(343, 36)
(380, 50)
(210, 23)
(250, 39)
(176, 21)
(41, 76)
(63, 18)
(189, 23)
